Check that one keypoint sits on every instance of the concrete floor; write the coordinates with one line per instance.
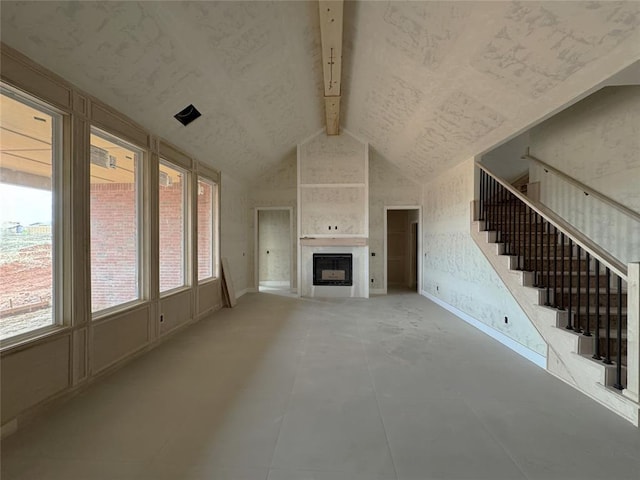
(284, 389)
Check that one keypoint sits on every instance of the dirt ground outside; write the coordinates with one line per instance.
(25, 279)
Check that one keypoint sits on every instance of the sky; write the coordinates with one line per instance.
(24, 205)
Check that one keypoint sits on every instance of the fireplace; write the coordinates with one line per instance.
(333, 269)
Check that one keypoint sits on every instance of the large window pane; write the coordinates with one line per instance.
(27, 161)
(207, 197)
(115, 209)
(172, 197)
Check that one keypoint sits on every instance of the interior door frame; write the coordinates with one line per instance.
(256, 245)
(413, 254)
(419, 249)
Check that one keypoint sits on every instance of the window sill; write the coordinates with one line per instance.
(32, 337)
(117, 310)
(174, 291)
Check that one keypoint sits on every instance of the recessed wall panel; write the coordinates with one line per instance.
(33, 375)
(119, 337)
(175, 310)
(209, 296)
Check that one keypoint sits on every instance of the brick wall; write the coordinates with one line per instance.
(205, 192)
(113, 244)
(171, 235)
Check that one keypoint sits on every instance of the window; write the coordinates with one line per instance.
(207, 230)
(30, 143)
(116, 208)
(173, 227)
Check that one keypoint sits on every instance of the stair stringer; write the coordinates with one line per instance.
(563, 346)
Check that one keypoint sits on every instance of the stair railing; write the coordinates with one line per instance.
(585, 188)
(566, 265)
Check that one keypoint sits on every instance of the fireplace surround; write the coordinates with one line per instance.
(333, 269)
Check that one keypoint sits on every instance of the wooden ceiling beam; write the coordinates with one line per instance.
(331, 12)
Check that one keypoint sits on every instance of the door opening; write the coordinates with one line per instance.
(402, 249)
(273, 250)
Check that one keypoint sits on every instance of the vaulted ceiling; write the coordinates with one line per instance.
(427, 84)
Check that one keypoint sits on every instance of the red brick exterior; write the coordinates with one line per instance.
(171, 237)
(205, 242)
(28, 278)
(114, 241)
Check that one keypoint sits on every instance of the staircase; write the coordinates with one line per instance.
(576, 298)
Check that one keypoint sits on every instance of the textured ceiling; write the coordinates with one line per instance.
(426, 83)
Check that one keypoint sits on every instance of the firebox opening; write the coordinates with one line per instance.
(333, 269)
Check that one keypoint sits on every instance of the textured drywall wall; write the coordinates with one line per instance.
(596, 141)
(276, 189)
(333, 177)
(388, 186)
(274, 246)
(454, 268)
(234, 230)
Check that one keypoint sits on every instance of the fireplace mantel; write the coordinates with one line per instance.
(333, 242)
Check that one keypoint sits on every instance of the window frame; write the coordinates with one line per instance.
(59, 217)
(142, 267)
(186, 225)
(214, 231)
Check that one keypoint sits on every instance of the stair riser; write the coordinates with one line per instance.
(613, 321)
(545, 250)
(557, 280)
(593, 299)
(587, 347)
(542, 239)
(522, 227)
(557, 264)
(614, 349)
(613, 325)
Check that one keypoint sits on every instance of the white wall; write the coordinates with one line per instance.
(234, 230)
(454, 268)
(387, 187)
(333, 186)
(596, 141)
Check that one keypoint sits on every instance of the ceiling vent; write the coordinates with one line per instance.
(187, 115)
(101, 157)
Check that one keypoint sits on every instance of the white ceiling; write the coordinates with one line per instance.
(428, 84)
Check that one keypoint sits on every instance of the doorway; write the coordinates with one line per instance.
(402, 260)
(273, 251)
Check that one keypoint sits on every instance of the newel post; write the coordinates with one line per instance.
(633, 332)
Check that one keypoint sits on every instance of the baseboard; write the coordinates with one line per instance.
(275, 283)
(508, 342)
(241, 293)
(377, 291)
